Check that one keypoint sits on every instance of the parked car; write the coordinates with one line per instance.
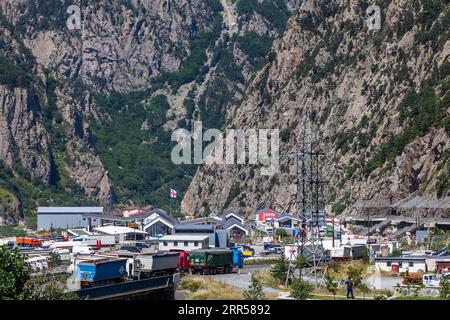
(247, 251)
(142, 245)
(276, 250)
(130, 249)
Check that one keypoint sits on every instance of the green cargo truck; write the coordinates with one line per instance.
(211, 261)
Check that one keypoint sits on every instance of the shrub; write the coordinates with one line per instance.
(444, 290)
(301, 289)
(255, 291)
(280, 269)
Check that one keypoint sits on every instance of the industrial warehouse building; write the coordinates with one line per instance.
(65, 217)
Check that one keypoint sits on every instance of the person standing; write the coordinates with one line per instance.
(350, 288)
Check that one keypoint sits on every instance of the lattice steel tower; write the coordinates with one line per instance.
(310, 199)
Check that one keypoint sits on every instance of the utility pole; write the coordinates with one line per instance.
(340, 232)
(333, 230)
(368, 227)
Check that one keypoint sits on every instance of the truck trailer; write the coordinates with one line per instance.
(93, 271)
(158, 264)
(211, 261)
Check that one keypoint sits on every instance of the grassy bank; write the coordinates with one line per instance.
(260, 261)
(268, 280)
(202, 288)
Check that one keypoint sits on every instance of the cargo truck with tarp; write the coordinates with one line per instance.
(105, 276)
(158, 263)
(211, 261)
(94, 271)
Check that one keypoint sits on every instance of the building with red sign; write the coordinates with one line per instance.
(266, 216)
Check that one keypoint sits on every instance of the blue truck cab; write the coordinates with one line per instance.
(238, 258)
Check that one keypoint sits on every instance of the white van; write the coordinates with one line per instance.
(430, 280)
(38, 264)
(82, 250)
(64, 254)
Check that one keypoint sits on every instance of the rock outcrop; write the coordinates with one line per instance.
(354, 82)
(49, 107)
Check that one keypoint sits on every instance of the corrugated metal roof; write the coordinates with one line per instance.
(70, 210)
(183, 237)
(115, 218)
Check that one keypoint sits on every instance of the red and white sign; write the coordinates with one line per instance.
(173, 194)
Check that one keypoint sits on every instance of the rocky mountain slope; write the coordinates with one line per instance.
(379, 100)
(86, 114)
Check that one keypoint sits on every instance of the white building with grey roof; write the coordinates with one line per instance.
(65, 217)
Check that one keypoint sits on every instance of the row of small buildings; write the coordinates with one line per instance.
(157, 222)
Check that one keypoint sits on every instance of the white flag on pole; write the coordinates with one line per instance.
(173, 194)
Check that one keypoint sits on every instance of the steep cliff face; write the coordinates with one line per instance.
(379, 100)
(81, 103)
(121, 45)
(24, 139)
(39, 120)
